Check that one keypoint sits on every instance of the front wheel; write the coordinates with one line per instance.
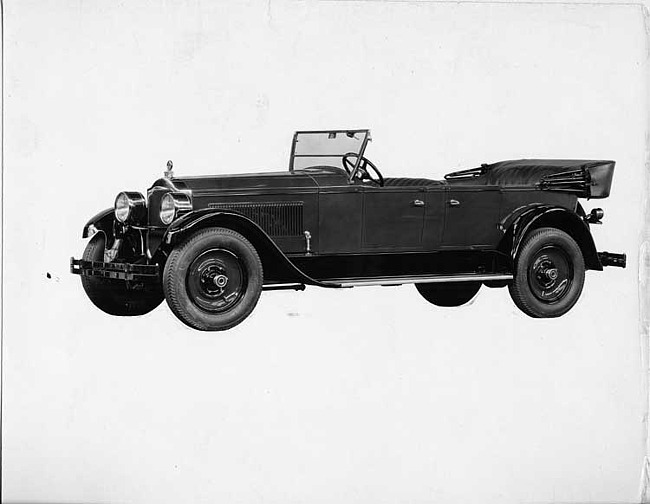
(116, 297)
(549, 274)
(213, 280)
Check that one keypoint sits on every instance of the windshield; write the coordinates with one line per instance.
(326, 148)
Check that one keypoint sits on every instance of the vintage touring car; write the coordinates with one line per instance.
(210, 245)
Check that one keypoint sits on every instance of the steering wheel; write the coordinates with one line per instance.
(362, 172)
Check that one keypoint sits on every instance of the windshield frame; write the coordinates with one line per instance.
(364, 143)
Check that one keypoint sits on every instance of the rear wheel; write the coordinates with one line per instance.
(213, 280)
(116, 297)
(549, 274)
(448, 294)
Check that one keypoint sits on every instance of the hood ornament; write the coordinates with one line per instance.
(169, 173)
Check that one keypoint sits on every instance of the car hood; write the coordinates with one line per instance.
(298, 179)
(269, 180)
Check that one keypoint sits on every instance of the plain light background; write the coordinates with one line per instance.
(367, 395)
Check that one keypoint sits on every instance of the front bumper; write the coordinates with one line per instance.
(118, 271)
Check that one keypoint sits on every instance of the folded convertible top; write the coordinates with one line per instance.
(585, 178)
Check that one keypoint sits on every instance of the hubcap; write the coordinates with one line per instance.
(216, 280)
(220, 281)
(550, 274)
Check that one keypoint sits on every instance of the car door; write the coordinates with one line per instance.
(472, 217)
(393, 218)
(340, 211)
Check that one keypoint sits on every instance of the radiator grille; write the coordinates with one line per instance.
(277, 219)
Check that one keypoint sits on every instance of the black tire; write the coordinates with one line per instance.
(448, 294)
(496, 284)
(113, 296)
(549, 274)
(213, 280)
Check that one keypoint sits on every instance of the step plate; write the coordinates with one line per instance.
(360, 282)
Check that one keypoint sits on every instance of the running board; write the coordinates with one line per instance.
(399, 280)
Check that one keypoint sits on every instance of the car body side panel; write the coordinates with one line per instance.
(484, 213)
(471, 216)
(434, 217)
(340, 212)
(284, 216)
(393, 218)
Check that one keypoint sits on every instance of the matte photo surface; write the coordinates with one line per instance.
(358, 395)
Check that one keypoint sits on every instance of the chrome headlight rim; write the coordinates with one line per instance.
(173, 205)
(130, 207)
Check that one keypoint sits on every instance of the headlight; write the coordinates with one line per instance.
(174, 205)
(130, 206)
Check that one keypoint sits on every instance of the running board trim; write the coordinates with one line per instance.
(274, 287)
(399, 280)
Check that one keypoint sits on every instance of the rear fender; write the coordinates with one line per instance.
(523, 220)
(275, 263)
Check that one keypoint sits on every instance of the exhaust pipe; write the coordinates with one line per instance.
(610, 259)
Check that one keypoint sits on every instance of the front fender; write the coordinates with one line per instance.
(275, 263)
(103, 221)
(199, 219)
(525, 219)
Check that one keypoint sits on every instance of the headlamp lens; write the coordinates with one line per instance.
(173, 205)
(122, 207)
(167, 209)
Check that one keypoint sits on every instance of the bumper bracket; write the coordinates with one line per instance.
(118, 271)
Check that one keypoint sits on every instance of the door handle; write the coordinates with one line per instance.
(418, 202)
(454, 202)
